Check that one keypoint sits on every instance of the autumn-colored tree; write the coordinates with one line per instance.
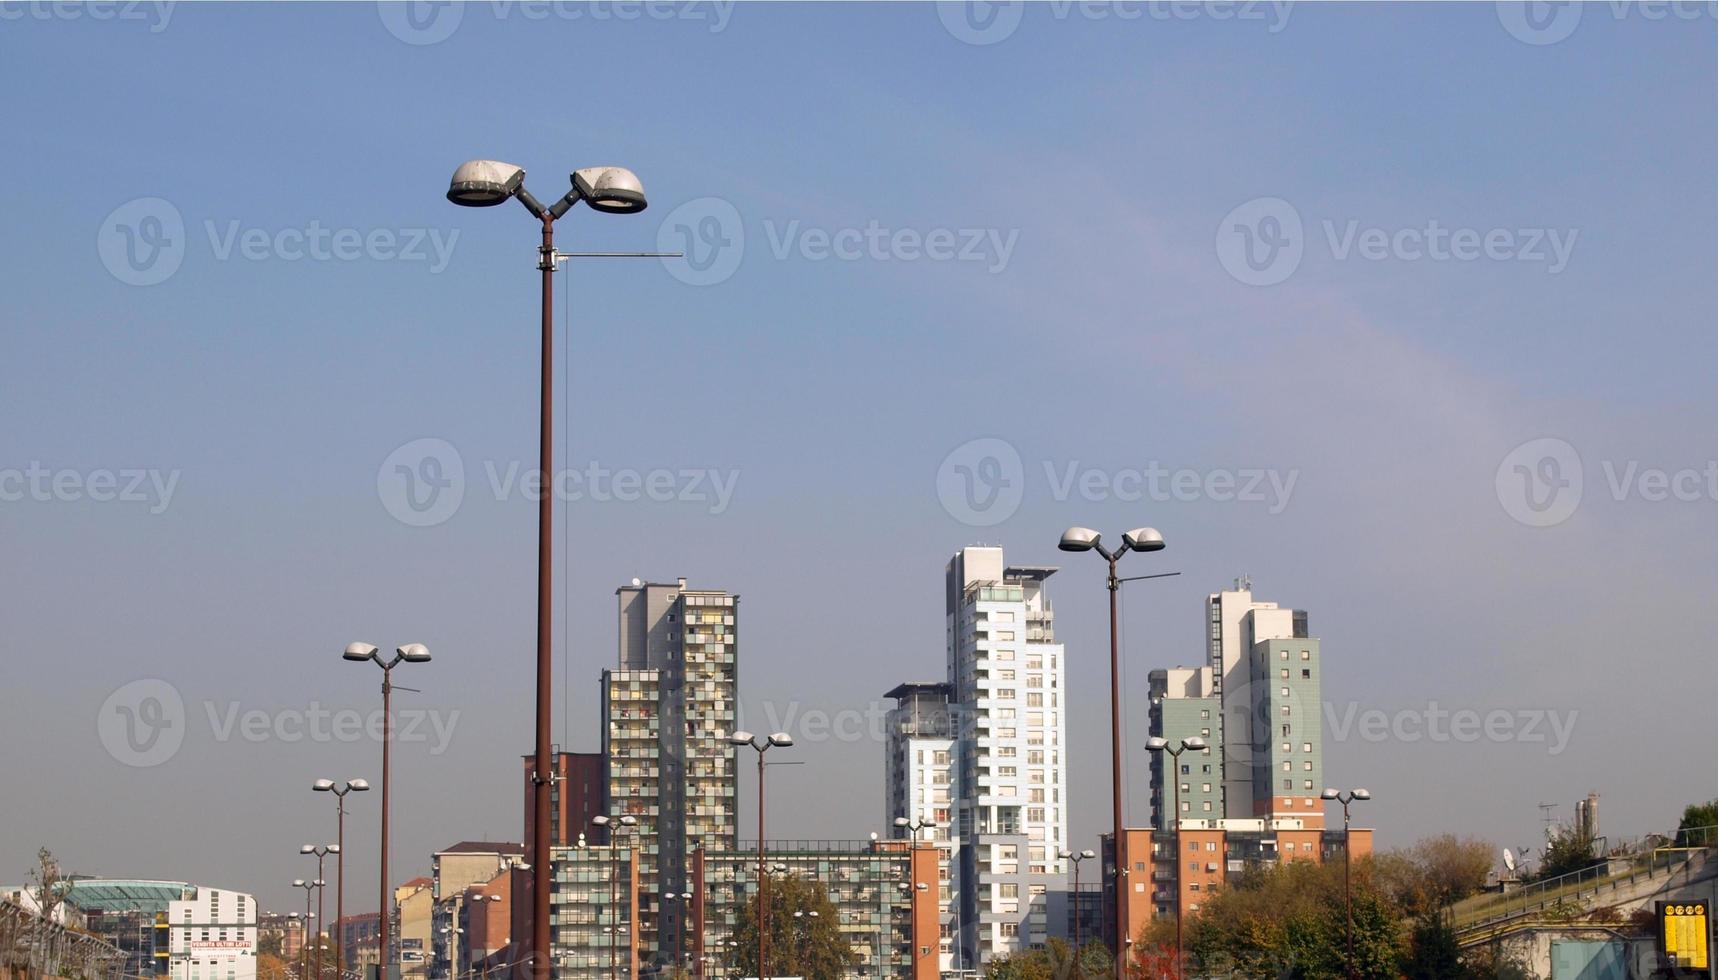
(270, 967)
(1436, 872)
(1290, 920)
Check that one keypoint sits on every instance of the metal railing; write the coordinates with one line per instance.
(1540, 896)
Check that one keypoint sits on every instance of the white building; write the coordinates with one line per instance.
(1006, 676)
(922, 776)
(212, 935)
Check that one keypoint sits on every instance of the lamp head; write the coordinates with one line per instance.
(360, 651)
(414, 653)
(740, 738)
(1361, 794)
(1143, 539)
(1194, 743)
(1088, 853)
(359, 786)
(601, 820)
(781, 739)
(1328, 794)
(484, 183)
(628, 820)
(615, 190)
(307, 848)
(323, 785)
(1079, 539)
(1156, 744)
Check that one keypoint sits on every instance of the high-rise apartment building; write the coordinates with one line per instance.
(668, 707)
(922, 776)
(1257, 702)
(1005, 673)
(1183, 706)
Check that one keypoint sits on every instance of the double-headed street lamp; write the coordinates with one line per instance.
(304, 951)
(1194, 744)
(1138, 539)
(1347, 898)
(412, 653)
(321, 851)
(1075, 859)
(914, 826)
(762, 745)
(615, 826)
(340, 790)
(615, 190)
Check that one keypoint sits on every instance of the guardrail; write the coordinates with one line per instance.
(1541, 895)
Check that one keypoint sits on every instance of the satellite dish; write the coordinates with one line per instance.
(1508, 859)
(636, 583)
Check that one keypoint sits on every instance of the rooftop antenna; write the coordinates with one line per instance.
(1509, 860)
(1549, 810)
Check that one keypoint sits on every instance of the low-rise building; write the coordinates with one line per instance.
(885, 894)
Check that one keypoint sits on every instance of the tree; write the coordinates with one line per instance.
(45, 882)
(1569, 852)
(1290, 921)
(1055, 960)
(1436, 872)
(808, 944)
(1694, 816)
(270, 966)
(1433, 951)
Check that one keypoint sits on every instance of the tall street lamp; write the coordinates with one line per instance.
(413, 653)
(1347, 898)
(1075, 859)
(1138, 539)
(321, 851)
(762, 745)
(614, 826)
(1194, 744)
(304, 950)
(340, 791)
(615, 190)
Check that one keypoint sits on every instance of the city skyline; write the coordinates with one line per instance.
(1399, 310)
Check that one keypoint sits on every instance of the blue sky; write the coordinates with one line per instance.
(1093, 168)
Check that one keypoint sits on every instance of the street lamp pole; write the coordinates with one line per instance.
(340, 791)
(304, 944)
(321, 851)
(1195, 744)
(616, 190)
(762, 745)
(1347, 895)
(1139, 539)
(1075, 859)
(415, 653)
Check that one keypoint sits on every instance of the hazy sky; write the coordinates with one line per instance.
(1342, 266)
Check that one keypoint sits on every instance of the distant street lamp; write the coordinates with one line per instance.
(340, 791)
(615, 826)
(1194, 744)
(1075, 859)
(1138, 539)
(1347, 898)
(413, 653)
(304, 950)
(615, 190)
(321, 851)
(761, 745)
